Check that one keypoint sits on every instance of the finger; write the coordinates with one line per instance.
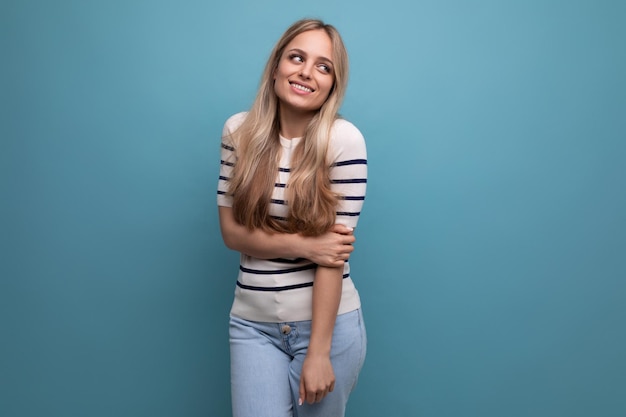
(332, 386)
(302, 392)
(318, 396)
(342, 229)
(348, 239)
(310, 397)
(346, 250)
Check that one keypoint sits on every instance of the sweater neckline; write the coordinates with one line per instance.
(289, 143)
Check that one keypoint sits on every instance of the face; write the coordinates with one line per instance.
(305, 73)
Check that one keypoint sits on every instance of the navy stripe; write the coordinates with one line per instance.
(284, 170)
(221, 192)
(224, 178)
(350, 162)
(279, 218)
(286, 287)
(350, 181)
(288, 261)
(348, 213)
(277, 201)
(352, 198)
(230, 164)
(230, 148)
(280, 185)
(277, 271)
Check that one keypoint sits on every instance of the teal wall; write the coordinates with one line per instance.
(490, 254)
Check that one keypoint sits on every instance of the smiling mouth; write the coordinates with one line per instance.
(301, 87)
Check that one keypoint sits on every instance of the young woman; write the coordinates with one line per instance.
(292, 183)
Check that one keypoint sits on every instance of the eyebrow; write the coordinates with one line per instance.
(300, 51)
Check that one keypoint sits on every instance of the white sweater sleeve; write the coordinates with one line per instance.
(228, 159)
(348, 172)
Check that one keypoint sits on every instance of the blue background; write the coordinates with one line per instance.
(490, 253)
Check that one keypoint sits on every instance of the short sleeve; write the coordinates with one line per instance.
(228, 159)
(348, 171)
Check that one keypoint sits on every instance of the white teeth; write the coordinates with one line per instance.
(301, 87)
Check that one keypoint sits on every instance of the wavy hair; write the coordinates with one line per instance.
(311, 202)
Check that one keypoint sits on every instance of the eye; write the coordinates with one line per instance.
(325, 68)
(296, 57)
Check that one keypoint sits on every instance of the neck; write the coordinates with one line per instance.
(293, 124)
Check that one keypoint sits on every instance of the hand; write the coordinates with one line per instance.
(332, 248)
(316, 380)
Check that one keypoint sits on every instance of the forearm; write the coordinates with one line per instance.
(326, 297)
(258, 243)
(330, 249)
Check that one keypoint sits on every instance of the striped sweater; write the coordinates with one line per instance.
(279, 290)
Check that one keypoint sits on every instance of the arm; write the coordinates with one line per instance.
(317, 378)
(330, 249)
(348, 178)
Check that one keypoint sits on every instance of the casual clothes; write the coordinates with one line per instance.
(270, 321)
(277, 290)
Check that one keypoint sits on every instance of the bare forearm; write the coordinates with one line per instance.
(331, 248)
(263, 245)
(258, 243)
(326, 297)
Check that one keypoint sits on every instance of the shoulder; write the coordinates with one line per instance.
(233, 122)
(342, 129)
(345, 136)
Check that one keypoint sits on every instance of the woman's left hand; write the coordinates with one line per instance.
(317, 379)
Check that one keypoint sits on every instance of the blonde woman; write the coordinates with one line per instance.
(292, 182)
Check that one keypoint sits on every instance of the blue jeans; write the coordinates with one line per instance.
(266, 360)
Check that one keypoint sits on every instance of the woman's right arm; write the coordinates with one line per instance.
(330, 249)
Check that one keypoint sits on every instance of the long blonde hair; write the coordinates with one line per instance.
(311, 202)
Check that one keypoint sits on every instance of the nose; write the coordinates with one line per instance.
(305, 71)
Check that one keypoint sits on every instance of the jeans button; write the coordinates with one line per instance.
(286, 329)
